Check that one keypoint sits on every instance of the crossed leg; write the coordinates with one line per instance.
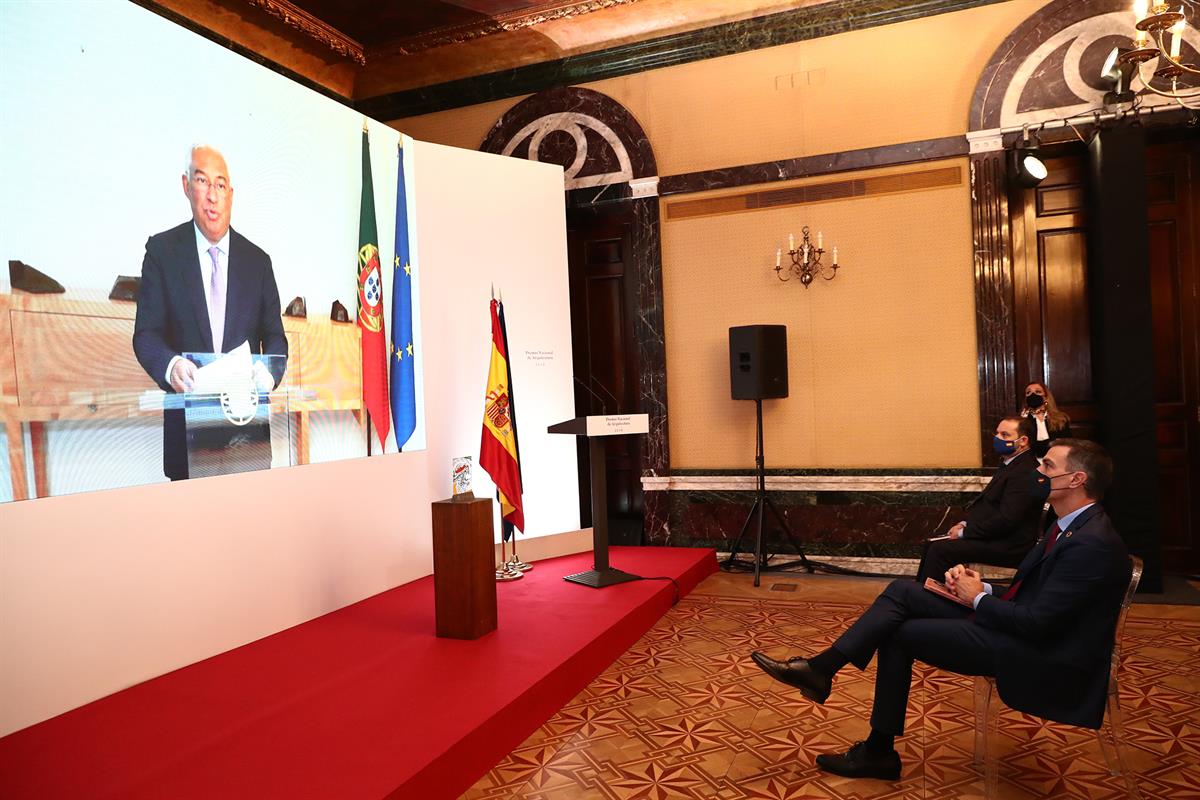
(958, 646)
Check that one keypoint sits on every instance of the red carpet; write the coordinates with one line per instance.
(364, 702)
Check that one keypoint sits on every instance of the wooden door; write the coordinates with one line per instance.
(1053, 329)
(1053, 336)
(603, 284)
(1173, 208)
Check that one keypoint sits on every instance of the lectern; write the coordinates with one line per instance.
(597, 429)
(234, 429)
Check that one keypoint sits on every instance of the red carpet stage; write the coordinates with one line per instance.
(362, 703)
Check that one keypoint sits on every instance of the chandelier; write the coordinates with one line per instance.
(806, 260)
(1159, 38)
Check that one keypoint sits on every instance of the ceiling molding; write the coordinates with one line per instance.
(242, 50)
(501, 23)
(314, 28)
(785, 27)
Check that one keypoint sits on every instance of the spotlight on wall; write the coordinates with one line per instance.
(1119, 72)
(1025, 164)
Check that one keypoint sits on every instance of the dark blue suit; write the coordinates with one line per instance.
(172, 316)
(1049, 647)
(1002, 524)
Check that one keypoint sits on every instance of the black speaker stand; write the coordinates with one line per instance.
(761, 503)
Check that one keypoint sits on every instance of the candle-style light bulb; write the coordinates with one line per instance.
(1140, 9)
(778, 256)
(835, 255)
(791, 243)
(820, 241)
(1177, 38)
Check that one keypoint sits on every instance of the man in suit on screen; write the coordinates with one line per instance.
(1047, 639)
(205, 289)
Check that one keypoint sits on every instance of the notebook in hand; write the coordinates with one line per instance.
(940, 589)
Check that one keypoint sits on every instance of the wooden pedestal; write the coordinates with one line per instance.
(464, 572)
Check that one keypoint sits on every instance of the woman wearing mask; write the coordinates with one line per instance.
(1051, 423)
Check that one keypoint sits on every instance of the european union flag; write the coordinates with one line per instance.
(403, 372)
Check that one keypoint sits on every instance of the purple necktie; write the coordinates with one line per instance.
(216, 301)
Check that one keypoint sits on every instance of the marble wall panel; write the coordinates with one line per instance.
(823, 164)
(884, 524)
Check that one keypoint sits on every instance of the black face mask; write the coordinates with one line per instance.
(1034, 401)
(1039, 486)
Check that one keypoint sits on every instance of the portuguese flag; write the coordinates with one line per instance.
(370, 305)
(498, 448)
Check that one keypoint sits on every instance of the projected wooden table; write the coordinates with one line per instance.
(70, 357)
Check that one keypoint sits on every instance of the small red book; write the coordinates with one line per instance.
(940, 590)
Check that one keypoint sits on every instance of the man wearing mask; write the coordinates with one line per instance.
(1047, 639)
(1002, 522)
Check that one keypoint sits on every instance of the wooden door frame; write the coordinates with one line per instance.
(642, 300)
(1002, 287)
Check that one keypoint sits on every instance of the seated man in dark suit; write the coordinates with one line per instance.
(1047, 639)
(205, 289)
(1002, 522)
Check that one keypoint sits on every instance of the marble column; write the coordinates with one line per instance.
(649, 330)
(994, 324)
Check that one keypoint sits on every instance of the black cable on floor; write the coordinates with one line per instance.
(797, 566)
(665, 578)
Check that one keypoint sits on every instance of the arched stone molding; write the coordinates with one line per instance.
(592, 137)
(1049, 67)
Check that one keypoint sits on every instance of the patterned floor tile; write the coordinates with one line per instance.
(685, 714)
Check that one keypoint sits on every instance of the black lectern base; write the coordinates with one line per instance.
(598, 579)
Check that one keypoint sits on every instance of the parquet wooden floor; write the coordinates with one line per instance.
(684, 713)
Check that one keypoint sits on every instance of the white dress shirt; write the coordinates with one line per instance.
(206, 268)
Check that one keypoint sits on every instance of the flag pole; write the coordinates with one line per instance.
(504, 570)
(497, 447)
(506, 525)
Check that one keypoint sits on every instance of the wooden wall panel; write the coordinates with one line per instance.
(1066, 327)
(1053, 326)
(1173, 189)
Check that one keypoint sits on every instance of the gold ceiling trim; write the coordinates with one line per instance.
(501, 23)
(313, 27)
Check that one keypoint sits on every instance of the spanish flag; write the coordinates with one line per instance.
(498, 447)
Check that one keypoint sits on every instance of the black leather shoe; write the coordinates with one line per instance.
(858, 763)
(797, 672)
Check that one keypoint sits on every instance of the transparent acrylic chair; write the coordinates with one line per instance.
(1111, 733)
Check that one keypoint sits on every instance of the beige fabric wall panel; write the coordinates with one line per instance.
(457, 127)
(896, 83)
(881, 360)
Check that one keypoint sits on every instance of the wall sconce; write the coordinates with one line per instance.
(806, 260)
